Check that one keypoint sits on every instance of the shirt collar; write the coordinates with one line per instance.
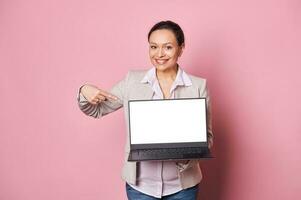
(181, 78)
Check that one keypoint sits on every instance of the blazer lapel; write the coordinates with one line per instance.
(187, 92)
(142, 91)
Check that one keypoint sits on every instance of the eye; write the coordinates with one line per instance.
(169, 47)
(153, 47)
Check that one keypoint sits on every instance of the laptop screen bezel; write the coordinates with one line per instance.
(167, 145)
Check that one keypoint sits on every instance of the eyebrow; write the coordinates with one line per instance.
(163, 43)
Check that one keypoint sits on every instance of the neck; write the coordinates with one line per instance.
(168, 74)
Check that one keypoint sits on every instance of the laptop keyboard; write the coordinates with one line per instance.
(169, 154)
(171, 151)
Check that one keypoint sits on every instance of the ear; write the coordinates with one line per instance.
(181, 49)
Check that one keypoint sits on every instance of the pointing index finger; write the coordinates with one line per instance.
(108, 95)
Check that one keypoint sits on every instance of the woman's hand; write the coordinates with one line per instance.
(95, 95)
(181, 164)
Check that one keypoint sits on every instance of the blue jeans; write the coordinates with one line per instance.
(186, 194)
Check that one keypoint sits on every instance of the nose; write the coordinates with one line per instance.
(161, 52)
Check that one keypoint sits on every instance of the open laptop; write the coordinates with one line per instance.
(168, 129)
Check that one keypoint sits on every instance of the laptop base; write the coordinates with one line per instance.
(164, 154)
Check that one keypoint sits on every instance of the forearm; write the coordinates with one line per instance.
(86, 107)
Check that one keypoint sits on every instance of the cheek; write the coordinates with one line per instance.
(151, 54)
(172, 54)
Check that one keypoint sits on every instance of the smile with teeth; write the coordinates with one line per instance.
(161, 61)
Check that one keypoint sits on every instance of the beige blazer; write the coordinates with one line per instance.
(131, 88)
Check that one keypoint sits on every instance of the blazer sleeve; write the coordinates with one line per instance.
(107, 106)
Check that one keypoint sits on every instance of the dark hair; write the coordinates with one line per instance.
(172, 26)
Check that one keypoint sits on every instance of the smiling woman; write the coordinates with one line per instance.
(166, 80)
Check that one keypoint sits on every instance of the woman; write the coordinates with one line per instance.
(154, 179)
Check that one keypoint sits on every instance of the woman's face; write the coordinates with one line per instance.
(164, 50)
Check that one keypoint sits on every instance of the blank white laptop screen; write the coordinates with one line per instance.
(168, 121)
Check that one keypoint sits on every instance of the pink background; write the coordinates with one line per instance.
(248, 50)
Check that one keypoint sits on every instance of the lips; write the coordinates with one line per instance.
(161, 61)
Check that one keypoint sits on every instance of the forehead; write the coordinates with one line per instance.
(162, 36)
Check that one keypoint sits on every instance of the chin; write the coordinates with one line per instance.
(162, 67)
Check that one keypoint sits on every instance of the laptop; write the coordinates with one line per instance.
(168, 129)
